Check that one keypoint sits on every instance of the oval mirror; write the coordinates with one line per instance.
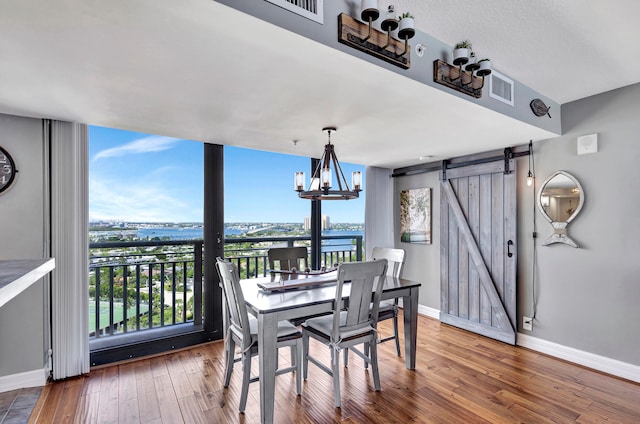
(559, 200)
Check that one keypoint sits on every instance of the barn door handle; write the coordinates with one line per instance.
(509, 244)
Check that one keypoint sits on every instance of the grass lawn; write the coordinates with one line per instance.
(117, 313)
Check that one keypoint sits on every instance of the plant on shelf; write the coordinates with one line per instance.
(461, 52)
(406, 27)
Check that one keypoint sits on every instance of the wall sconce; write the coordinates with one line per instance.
(469, 80)
(544, 200)
(362, 35)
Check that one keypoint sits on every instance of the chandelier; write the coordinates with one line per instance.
(320, 187)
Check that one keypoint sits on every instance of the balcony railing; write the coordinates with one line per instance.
(250, 253)
(141, 285)
(135, 286)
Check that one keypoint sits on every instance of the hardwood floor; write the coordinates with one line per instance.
(460, 378)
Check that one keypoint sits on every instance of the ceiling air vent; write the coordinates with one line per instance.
(501, 88)
(310, 9)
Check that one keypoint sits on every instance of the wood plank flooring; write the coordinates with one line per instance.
(460, 378)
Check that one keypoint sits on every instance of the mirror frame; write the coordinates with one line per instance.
(560, 234)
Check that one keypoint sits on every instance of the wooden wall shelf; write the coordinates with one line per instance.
(449, 75)
(351, 32)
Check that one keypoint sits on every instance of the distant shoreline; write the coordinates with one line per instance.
(193, 231)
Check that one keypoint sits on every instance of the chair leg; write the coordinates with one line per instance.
(335, 367)
(374, 365)
(297, 362)
(230, 348)
(395, 334)
(366, 353)
(246, 376)
(305, 355)
(346, 357)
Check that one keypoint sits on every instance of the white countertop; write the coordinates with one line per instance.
(18, 274)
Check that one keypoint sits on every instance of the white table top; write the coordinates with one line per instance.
(266, 302)
(18, 274)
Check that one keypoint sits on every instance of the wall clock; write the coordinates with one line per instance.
(7, 170)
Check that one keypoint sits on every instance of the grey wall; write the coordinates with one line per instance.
(421, 67)
(586, 298)
(422, 261)
(21, 236)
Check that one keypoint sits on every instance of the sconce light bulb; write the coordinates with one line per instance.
(529, 179)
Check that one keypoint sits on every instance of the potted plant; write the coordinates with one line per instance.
(406, 27)
(461, 52)
(484, 67)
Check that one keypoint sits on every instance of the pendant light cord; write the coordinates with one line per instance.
(532, 168)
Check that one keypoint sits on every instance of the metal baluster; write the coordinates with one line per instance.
(137, 297)
(111, 301)
(150, 284)
(97, 306)
(161, 294)
(125, 298)
(173, 292)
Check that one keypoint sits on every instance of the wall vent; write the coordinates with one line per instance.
(310, 9)
(501, 88)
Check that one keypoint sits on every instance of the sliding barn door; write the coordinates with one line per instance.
(478, 258)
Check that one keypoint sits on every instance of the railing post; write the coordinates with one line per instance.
(359, 248)
(97, 305)
(197, 283)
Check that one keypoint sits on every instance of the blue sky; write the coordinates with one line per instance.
(139, 177)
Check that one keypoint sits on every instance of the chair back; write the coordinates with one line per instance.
(285, 258)
(394, 257)
(361, 312)
(237, 308)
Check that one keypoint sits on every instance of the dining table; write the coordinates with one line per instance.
(276, 297)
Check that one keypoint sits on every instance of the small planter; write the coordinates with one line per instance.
(484, 68)
(461, 53)
(370, 10)
(406, 26)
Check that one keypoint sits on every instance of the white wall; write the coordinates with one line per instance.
(22, 320)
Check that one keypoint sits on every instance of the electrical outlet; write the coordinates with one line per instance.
(527, 323)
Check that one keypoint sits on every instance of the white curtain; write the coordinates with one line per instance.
(70, 248)
(378, 221)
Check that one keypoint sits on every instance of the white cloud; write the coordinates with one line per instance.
(136, 202)
(143, 145)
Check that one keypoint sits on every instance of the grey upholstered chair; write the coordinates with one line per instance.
(287, 258)
(351, 326)
(243, 330)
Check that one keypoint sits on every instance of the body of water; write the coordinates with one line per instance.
(192, 233)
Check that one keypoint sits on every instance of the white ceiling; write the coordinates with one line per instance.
(199, 70)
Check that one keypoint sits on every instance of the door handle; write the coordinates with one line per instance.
(509, 244)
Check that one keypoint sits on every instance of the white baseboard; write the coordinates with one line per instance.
(35, 378)
(429, 312)
(580, 357)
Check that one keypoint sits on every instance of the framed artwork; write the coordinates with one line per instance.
(415, 216)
